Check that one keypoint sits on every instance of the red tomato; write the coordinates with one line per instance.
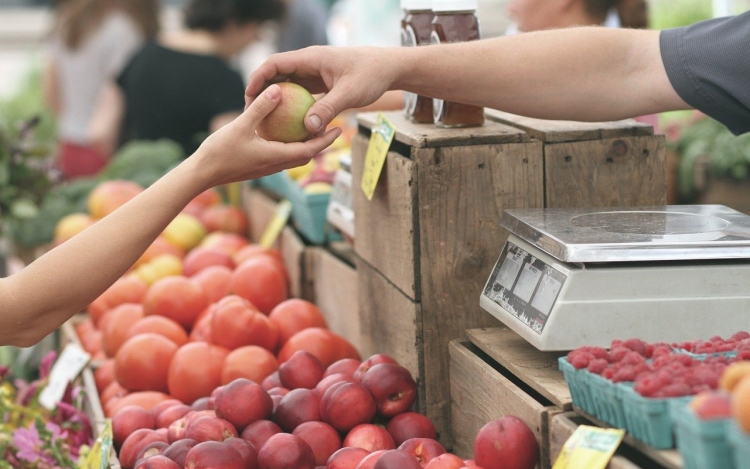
(143, 361)
(261, 281)
(235, 322)
(324, 344)
(293, 315)
(195, 371)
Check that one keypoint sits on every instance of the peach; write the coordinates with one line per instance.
(392, 387)
(272, 381)
(376, 359)
(284, 451)
(151, 449)
(330, 380)
(396, 459)
(347, 458)
(178, 450)
(213, 455)
(346, 405)
(370, 437)
(302, 370)
(345, 366)
(369, 461)
(410, 425)
(422, 449)
(445, 461)
(157, 462)
(286, 122)
(323, 439)
(129, 419)
(506, 443)
(170, 414)
(297, 407)
(247, 450)
(257, 433)
(243, 402)
(133, 445)
(210, 429)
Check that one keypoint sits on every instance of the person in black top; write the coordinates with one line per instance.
(181, 86)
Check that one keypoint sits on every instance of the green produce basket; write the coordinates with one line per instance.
(648, 419)
(739, 443)
(704, 444)
(579, 385)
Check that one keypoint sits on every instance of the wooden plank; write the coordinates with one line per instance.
(670, 459)
(462, 194)
(385, 225)
(480, 394)
(562, 426)
(428, 135)
(535, 368)
(551, 131)
(259, 208)
(335, 292)
(390, 323)
(617, 172)
(293, 255)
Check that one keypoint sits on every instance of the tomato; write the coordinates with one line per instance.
(254, 249)
(201, 258)
(293, 315)
(115, 326)
(202, 330)
(195, 371)
(235, 322)
(114, 390)
(144, 399)
(104, 374)
(176, 297)
(251, 362)
(327, 346)
(143, 361)
(261, 281)
(160, 325)
(215, 281)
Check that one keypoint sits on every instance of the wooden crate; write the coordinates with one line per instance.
(429, 237)
(335, 291)
(483, 391)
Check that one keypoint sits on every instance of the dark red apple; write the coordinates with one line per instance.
(376, 359)
(370, 460)
(346, 458)
(392, 387)
(257, 433)
(247, 450)
(302, 370)
(410, 425)
(178, 450)
(345, 366)
(395, 459)
(346, 405)
(133, 445)
(243, 402)
(286, 451)
(422, 449)
(272, 381)
(323, 439)
(370, 437)
(445, 461)
(170, 414)
(210, 429)
(157, 462)
(506, 443)
(129, 419)
(299, 406)
(213, 455)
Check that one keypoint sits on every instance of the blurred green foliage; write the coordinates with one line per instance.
(665, 14)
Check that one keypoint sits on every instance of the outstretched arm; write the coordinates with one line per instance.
(591, 73)
(46, 293)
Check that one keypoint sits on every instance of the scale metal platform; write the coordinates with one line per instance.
(573, 277)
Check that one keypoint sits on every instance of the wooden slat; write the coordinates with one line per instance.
(260, 208)
(535, 368)
(428, 135)
(551, 131)
(560, 429)
(462, 194)
(481, 394)
(390, 322)
(293, 254)
(617, 172)
(385, 225)
(335, 292)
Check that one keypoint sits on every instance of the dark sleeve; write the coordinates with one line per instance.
(708, 64)
(228, 93)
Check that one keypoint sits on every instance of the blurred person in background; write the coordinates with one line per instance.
(304, 25)
(182, 86)
(91, 41)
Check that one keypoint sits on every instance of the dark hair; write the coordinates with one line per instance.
(632, 13)
(213, 15)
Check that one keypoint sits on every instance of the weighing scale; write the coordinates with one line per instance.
(573, 277)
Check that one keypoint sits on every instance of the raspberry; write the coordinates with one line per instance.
(700, 388)
(661, 361)
(636, 345)
(609, 373)
(624, 374)
(676, 390)
(728, 347)
(618, 353)
(704, 374)
(716, 338)
(743, 355)
(599, 352)
(687, 346)
(633, 358)
(685, 360)
(597, 365)
(615, 343)
(579, 359)
(647, 385)
(738, 336)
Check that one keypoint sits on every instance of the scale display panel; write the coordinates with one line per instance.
(525, 286)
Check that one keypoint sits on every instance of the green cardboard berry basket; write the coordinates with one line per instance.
(648, 419)
(704, 444)
(739, 442)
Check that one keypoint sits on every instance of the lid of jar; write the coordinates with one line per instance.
(416, 5)
(454, 5)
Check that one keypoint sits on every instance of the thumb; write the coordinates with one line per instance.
(325, 109)
(261, 106)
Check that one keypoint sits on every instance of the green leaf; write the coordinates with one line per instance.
(24, 209)
(4, 175)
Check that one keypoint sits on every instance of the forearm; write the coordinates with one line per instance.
(62, 282)
(593, 74)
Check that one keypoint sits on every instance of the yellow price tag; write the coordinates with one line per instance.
(277, 223)
(98, 456)
(589, 447)
(377, 149)
(234, 193)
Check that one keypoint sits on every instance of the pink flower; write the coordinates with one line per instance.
(30, 446)
(46, 364)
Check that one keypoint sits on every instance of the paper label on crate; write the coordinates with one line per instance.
(70, 362)
(380, 140)
(98, 455)
(589, 447)
(277, 223)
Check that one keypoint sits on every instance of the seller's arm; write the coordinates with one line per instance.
(42, 296)
(594, 74)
